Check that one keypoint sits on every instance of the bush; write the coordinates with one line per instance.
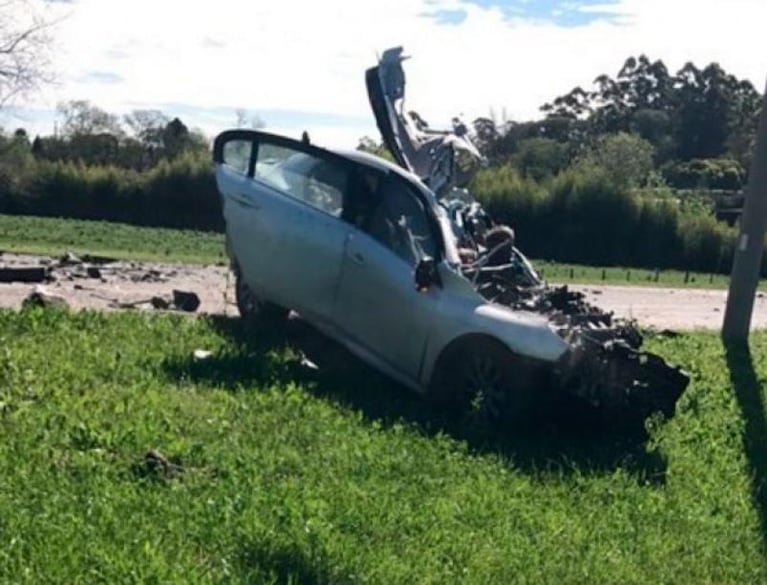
(584, 216)
(721, 173)
(178, 194)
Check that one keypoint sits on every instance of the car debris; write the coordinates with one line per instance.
(30, 274)
(186, 301)
(201, 354)
(41, 297)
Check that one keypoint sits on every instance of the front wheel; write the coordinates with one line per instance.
(485, 381)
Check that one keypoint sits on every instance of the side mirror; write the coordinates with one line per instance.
(426, 275)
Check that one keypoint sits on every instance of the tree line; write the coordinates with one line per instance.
(697, 125)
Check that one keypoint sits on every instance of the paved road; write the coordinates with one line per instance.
(670, 308)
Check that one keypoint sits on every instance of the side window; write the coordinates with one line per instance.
(318, 181)
(236, 155)
(399, 221)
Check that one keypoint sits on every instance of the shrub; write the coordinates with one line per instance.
(721, 173)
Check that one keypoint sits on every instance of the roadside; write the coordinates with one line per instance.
(92, 282)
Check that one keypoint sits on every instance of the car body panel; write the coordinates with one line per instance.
(442, 159)
(380, 308)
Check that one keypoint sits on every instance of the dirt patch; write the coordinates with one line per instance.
(102, 284)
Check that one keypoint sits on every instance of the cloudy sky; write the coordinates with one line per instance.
(299, 64)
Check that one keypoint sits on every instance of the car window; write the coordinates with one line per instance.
(317, 181)
(400, 222)
(236, 155)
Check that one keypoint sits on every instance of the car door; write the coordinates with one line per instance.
(377, 304)
(249, 216)
(293, 239)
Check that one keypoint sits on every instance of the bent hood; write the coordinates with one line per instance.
(443, 159)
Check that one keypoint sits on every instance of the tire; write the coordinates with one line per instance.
(483, 380)
(252, 307)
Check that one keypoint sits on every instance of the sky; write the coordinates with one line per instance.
(299, 64)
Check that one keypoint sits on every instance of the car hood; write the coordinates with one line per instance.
(443, 159)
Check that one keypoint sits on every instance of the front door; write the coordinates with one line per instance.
(378, 305)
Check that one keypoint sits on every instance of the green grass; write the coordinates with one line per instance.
(54, 236)
(290, 475)
(622, 276)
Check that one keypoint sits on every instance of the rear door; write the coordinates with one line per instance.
(288, 231)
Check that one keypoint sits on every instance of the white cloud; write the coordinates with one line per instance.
(310, 56)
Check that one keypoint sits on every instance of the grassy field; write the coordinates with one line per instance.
(53, 236)
(622, 276)
(276, 473)
(39, 235)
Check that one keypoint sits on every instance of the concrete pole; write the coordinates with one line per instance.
(750, 244)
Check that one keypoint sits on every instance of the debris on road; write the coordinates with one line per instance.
(31, 274)
(185, 301)
(69, 259)
(160, 303)
(201, 354)
(43, 298)
(155, 465)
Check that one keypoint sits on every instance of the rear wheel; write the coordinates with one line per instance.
(250, 305)
(485, 381)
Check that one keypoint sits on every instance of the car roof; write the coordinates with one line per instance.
(381, 164)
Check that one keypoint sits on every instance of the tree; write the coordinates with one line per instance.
(539, 158)
(81, 117)
(626, 158)
(24, 49)
(147, 126)
(245, 120)
(696, 113)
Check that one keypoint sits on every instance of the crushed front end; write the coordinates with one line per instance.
(605, 365)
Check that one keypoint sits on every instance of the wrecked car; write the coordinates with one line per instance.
(400, 264)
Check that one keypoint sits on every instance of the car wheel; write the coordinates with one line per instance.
(485, 381)
(252, 307)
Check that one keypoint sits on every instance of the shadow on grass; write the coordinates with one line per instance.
(561, 444)
(283, 565)
(748, 392)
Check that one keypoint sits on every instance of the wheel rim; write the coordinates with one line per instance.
(483, 386)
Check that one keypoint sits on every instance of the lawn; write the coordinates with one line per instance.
(54, 236)
(557, 272)
(267, 471)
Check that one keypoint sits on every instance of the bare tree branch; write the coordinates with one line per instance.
(24, 48)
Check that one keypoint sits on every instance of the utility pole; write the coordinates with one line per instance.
(750, 244)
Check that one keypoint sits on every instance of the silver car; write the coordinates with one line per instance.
(403, 267)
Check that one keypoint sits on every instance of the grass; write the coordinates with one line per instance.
(626, 276)
(282, 474)
(54, 236)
